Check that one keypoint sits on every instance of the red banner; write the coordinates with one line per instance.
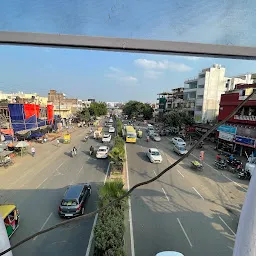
(50, 113)
(31, 110)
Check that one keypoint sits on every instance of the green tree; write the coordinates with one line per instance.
(135, 108)
(98, 109)
(83, 115)
(176, 118)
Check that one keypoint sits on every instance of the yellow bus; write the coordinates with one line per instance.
(130, 134)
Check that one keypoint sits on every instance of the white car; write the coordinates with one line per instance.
(155, 137)
(111, 129)
(154, 155)
(110, 120)
(106, 138)
(102, 152)
(178, 141)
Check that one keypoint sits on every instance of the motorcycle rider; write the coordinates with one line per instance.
(91, 150)
(74, 150)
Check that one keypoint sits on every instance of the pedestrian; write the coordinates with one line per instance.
(218, 157)
(33, 151)
(58, 142)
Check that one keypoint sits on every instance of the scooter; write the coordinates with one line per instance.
(244, 175)
(221, 164)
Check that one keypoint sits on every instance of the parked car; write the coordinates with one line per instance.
(102, 152)
(74, 200)
(111, 129)
(106, 138)
(155, 137)
(179, 149)
(154, 155)
(178, 141)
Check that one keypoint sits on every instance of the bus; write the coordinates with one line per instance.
(130, 134)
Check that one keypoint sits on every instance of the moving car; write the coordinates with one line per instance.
(154, 155)
(110, 120)
(111, 129)
(180, 149)
(74, 200)
(155, 137)
(169, 253)
(106, 138)
(178, 141)
(102, 152)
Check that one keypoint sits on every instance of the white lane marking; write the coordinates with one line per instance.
(198, 193)
(80, 170)
(235, 183)
(227, 226)
(60, 165)
(155, 173)
(185, 233)
(166, 195)
(44, 224)
(222, 174)
(129, 204)
(88, 250)
(180, 173)
(42, 182)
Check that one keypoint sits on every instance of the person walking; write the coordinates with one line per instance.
(58, 142)
(33, 151)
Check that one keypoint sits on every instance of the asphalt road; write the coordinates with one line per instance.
(38, 195)
(194, 213)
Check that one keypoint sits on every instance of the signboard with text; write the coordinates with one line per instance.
(226, 136)
(227, 129)
(249, 142)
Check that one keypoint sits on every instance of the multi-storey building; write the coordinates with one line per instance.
(202, 94)
(240, 130)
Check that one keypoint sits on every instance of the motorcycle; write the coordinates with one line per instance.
(220, 164)
(242, 175)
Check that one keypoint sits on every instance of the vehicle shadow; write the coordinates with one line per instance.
(143, 156)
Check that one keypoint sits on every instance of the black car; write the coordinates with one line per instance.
(74, 200)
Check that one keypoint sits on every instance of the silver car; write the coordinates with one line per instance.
(155, 137)
(180, 149)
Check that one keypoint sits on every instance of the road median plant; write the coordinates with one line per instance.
(117, 155)
(110, 228)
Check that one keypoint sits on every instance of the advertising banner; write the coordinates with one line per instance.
(249, 142)
(227, 129)
(226, 136)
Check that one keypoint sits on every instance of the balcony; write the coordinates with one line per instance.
(190, 80)
(245, 118)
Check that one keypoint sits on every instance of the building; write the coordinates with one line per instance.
(21, 97)
(240, 130)
(169, 100)
(202, 94)
(63, 106)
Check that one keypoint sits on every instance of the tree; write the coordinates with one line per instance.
(98, 109)
(83, 115)
(136, 108)
(176, 118)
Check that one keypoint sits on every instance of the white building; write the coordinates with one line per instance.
(202, 94)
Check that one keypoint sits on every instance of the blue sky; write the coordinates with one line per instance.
(119, 76)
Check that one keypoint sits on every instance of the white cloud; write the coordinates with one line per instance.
(162, 65)
(152, 74)
(192, 58)
(121, 76)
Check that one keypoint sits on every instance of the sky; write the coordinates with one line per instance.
(112, 76)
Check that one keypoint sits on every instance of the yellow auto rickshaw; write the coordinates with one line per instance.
(10, 216)
(67, 138)
(139, 134)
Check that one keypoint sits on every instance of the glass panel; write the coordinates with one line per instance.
(230, 23)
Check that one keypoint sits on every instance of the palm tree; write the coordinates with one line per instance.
(110, 191)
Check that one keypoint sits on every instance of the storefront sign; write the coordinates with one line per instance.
(245, 141)
(226, 136)
(227, 129)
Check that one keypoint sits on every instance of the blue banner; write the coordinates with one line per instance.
(246, 141)
(227, 129)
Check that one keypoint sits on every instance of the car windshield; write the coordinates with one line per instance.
(106, 136)
(69, 202)
(180, 140)
(182, 148)
(156, 135)
(102, 150)
(155, 153)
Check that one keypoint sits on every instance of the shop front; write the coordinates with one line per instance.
(226, 136)
(244, 145)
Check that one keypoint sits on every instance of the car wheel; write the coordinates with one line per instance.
(82, 211)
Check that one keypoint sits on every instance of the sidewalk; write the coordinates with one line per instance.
(44, 154)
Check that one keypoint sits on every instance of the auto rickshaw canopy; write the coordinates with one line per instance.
(6, 209)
